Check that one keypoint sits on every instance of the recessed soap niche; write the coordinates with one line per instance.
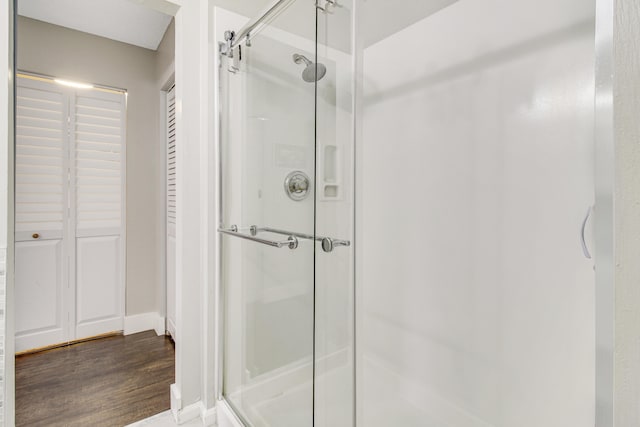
(330, 188)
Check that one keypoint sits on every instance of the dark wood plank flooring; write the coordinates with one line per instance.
(108, 382)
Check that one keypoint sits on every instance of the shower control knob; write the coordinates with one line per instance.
(299, 185)
(296, 185)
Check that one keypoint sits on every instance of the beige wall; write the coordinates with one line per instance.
(60, 52)
(165, 55)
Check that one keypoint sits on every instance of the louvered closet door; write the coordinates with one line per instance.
(98, 137)
(171, 212)
(69, 213)
(42, 286)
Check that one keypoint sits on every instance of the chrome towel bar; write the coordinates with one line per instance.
(291, 242)
(327, 243)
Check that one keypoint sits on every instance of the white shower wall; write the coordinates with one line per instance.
(475, 302)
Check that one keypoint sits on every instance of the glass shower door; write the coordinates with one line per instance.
(268, 219)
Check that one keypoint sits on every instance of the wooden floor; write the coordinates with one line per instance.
(107, 382)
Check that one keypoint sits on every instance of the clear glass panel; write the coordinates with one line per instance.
(268, 135)
(334, 373)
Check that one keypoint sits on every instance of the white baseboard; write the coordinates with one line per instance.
(208, 416)
(189, 413)
(183, 415)
(171, 328)
(161, 327)
(144, 322)
(176, 400)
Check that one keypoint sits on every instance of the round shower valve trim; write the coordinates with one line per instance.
(297, 185)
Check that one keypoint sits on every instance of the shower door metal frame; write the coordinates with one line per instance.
(604, 230)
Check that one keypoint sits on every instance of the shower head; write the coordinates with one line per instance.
(312, 72)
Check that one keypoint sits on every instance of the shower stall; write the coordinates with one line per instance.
(406, 213)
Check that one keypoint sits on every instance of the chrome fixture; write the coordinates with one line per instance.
(312, 72)
(324, 5)
(328, 244)
(297, 185)
(253, 27)
(291, 242)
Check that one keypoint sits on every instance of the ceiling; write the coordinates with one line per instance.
(130, 21)
(379, 19)
(125, 21)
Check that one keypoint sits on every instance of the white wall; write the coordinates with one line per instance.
(59, 52)
(627, 212)
(476, 303)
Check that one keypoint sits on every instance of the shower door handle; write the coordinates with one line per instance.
(328, 244)
(585, 249)
(291, 242)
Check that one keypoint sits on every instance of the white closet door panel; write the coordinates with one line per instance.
(89, 111)
(102, 121)
(99, 159)
(98, 192)
(101, 229)
(86, 128)
(114, 181)
(39, 133)
(96, 138)
(41, 157)
(44, 171)
(88, 197)
(97, 146)
(27, 237)
(171, 285)
(39, 294)
(37, 208)
(38, 151)
(171, 176)
(98, 285)
(97, 173)
(171, 163)
(23, 140)
(27, 109)
(100, 215)
(39, 197)
(98, 155)
(34, 179)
